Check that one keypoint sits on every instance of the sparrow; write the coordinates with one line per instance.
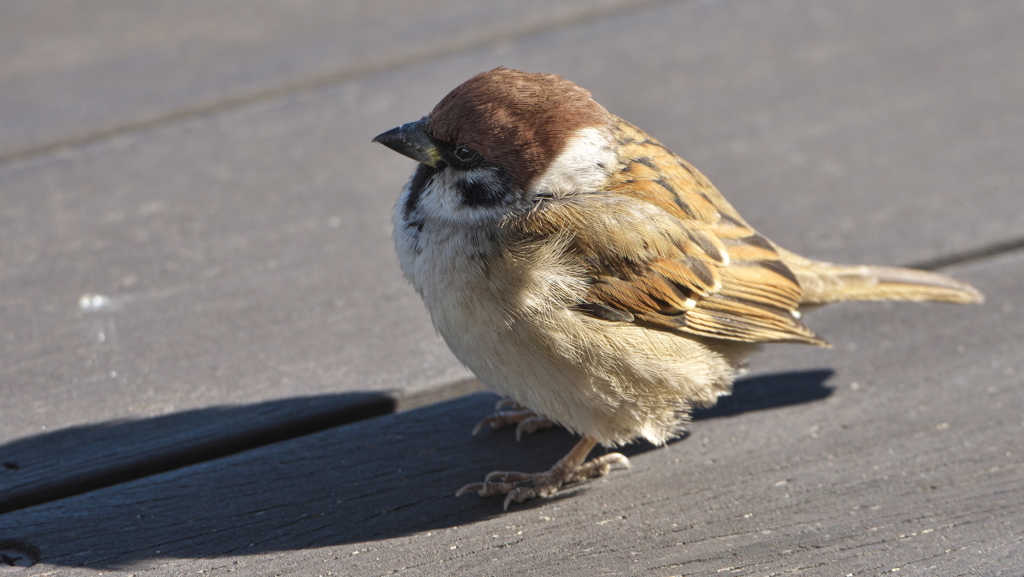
(579, 267)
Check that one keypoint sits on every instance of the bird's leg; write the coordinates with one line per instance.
(571, 468)
(507, 412)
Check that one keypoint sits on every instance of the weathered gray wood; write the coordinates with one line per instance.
(911, 463)
(83, 458)
(246, 256)
(74, 70)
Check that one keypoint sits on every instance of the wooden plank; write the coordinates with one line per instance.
(245, 253)
(231, 264)
(74, 70)
(86, 457)
(910, 463)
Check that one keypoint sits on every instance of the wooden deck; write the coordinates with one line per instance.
(210, 364)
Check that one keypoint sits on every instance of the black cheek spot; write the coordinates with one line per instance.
(495, 190)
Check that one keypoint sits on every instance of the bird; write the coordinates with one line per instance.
(593, 277)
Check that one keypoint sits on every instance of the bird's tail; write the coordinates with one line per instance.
(824, 283)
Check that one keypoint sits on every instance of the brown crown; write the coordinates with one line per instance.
(515, 119)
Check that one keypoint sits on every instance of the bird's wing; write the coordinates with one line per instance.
(662, 248)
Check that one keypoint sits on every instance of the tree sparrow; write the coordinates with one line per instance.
(578, 266)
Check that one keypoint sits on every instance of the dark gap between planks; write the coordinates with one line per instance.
(202, 450)
(970, 255)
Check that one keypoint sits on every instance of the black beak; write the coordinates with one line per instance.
(411, 140)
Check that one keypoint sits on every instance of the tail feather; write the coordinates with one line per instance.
(824, 283)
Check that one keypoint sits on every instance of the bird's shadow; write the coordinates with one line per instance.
(770, 392)
(376, 479)
(758, 393)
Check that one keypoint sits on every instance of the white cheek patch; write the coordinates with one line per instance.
(438, 197)
(582, 166)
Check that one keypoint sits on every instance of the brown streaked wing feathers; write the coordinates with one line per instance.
(672, 254)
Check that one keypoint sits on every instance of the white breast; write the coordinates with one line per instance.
(508, 313)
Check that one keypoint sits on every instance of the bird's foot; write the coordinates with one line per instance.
(508, 412)
(519, 487)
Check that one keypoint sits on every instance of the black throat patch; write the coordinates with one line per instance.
(419, 181)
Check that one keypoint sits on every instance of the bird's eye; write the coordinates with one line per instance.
(465, 156)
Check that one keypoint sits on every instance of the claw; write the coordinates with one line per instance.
(519, 487)
(513, 495)
(531, 425)
(469, 489)
(507, 404)
(507, 477)
(508, 412)
(502, 419)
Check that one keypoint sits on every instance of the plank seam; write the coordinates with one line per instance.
(337, 77)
